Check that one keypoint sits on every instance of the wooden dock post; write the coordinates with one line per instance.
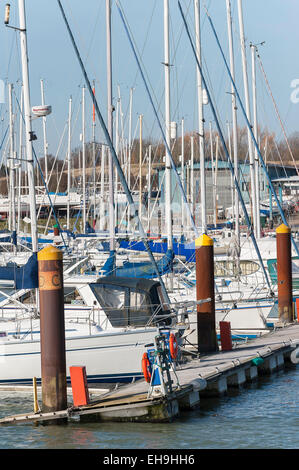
(52, 332)
(205, 289)
(284, 273)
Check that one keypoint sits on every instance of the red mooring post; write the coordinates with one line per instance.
(79, 385)
(284, 273)
(225, 336)
(52, 331)
(205, 289)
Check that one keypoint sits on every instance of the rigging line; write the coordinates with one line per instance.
(133, 207)
(4, 138)
(85, 47)
(225, 149)
(142, 50)
(276, 109)
(158, 121)
(252, 135)
(279, 154)
(140, 59)
(10, 55)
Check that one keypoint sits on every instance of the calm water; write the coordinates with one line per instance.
(261, 416)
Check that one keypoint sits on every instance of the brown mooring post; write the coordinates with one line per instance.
(52, 331)
(284, 273)
(205, 289)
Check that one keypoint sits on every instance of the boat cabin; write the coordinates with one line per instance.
(131, 301)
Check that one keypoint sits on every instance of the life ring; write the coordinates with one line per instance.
(146, 368)
(173, 346)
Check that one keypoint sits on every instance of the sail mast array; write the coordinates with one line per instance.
(234, 118)
(132, 208)
(120, 154)
(261, 160)
(224, 147)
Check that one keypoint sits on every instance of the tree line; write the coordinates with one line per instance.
(272, 150)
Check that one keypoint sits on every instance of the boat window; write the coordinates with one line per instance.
(123, 306)
(140, 309)
(230, 268)
(28, 298)
(163, 300)
(295, 265)
(72, 296)
(274, 311)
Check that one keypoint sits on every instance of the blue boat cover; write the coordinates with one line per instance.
(181, 249)
(88, 228)
(143, 270)
(109, 266)
(25, 277)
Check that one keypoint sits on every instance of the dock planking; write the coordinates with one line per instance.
(210, 375)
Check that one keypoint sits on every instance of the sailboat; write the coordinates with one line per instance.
(107, 329)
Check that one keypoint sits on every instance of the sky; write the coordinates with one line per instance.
(52, 59)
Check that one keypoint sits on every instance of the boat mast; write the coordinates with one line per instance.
(231, 176)
(44, 133)
(129, 153)
(103, 167)
(93, 156)
(255, 132)
(83, 160)
(21, 159)
(12, 178)
(200, 119)
(110, 124)
(29, 135)
(168, 216)
(118, 156)
(69, 165)
(149, 188)
(130, 139)
(192, 176)
(234, 118)
(183, 177)
(140, 166)
(248, 113)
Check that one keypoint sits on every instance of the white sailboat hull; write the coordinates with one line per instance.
(108, 357)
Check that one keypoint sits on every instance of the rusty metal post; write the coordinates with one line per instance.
(284, 273)
(205, 289)
(52, 331)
